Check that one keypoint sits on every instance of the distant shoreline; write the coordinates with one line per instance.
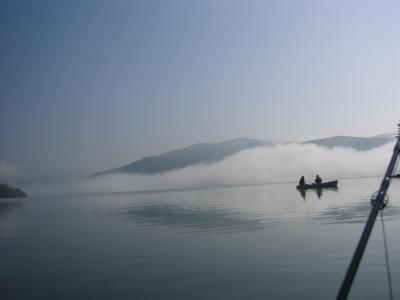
(171, 190)
(10, 192)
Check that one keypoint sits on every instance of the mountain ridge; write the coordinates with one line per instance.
(207, 153)
(200, 153)
(358, 143)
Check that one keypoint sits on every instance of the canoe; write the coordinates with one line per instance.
(327, 184)
(396, 176)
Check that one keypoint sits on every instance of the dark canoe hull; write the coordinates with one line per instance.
(328, 184)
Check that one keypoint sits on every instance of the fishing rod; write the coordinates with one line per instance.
(378, 202)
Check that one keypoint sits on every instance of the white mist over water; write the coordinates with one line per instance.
(7, 170)
(280, 163)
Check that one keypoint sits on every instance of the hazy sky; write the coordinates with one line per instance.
(92, 85)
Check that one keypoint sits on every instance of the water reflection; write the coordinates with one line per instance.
(302, 194)
(319, 192)
(199, 219)
(354, 214)
(9, 217)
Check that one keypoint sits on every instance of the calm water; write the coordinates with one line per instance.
(258, 242)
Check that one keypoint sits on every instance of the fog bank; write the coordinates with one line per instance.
(7, 170)
(280, 163)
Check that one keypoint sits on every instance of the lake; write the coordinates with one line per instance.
(252, 242)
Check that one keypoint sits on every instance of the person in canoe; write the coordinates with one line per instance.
(302, 181)
(318, 179)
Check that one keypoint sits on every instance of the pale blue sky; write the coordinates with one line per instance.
(91, 85)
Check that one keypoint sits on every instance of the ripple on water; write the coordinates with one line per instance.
(192, 219)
